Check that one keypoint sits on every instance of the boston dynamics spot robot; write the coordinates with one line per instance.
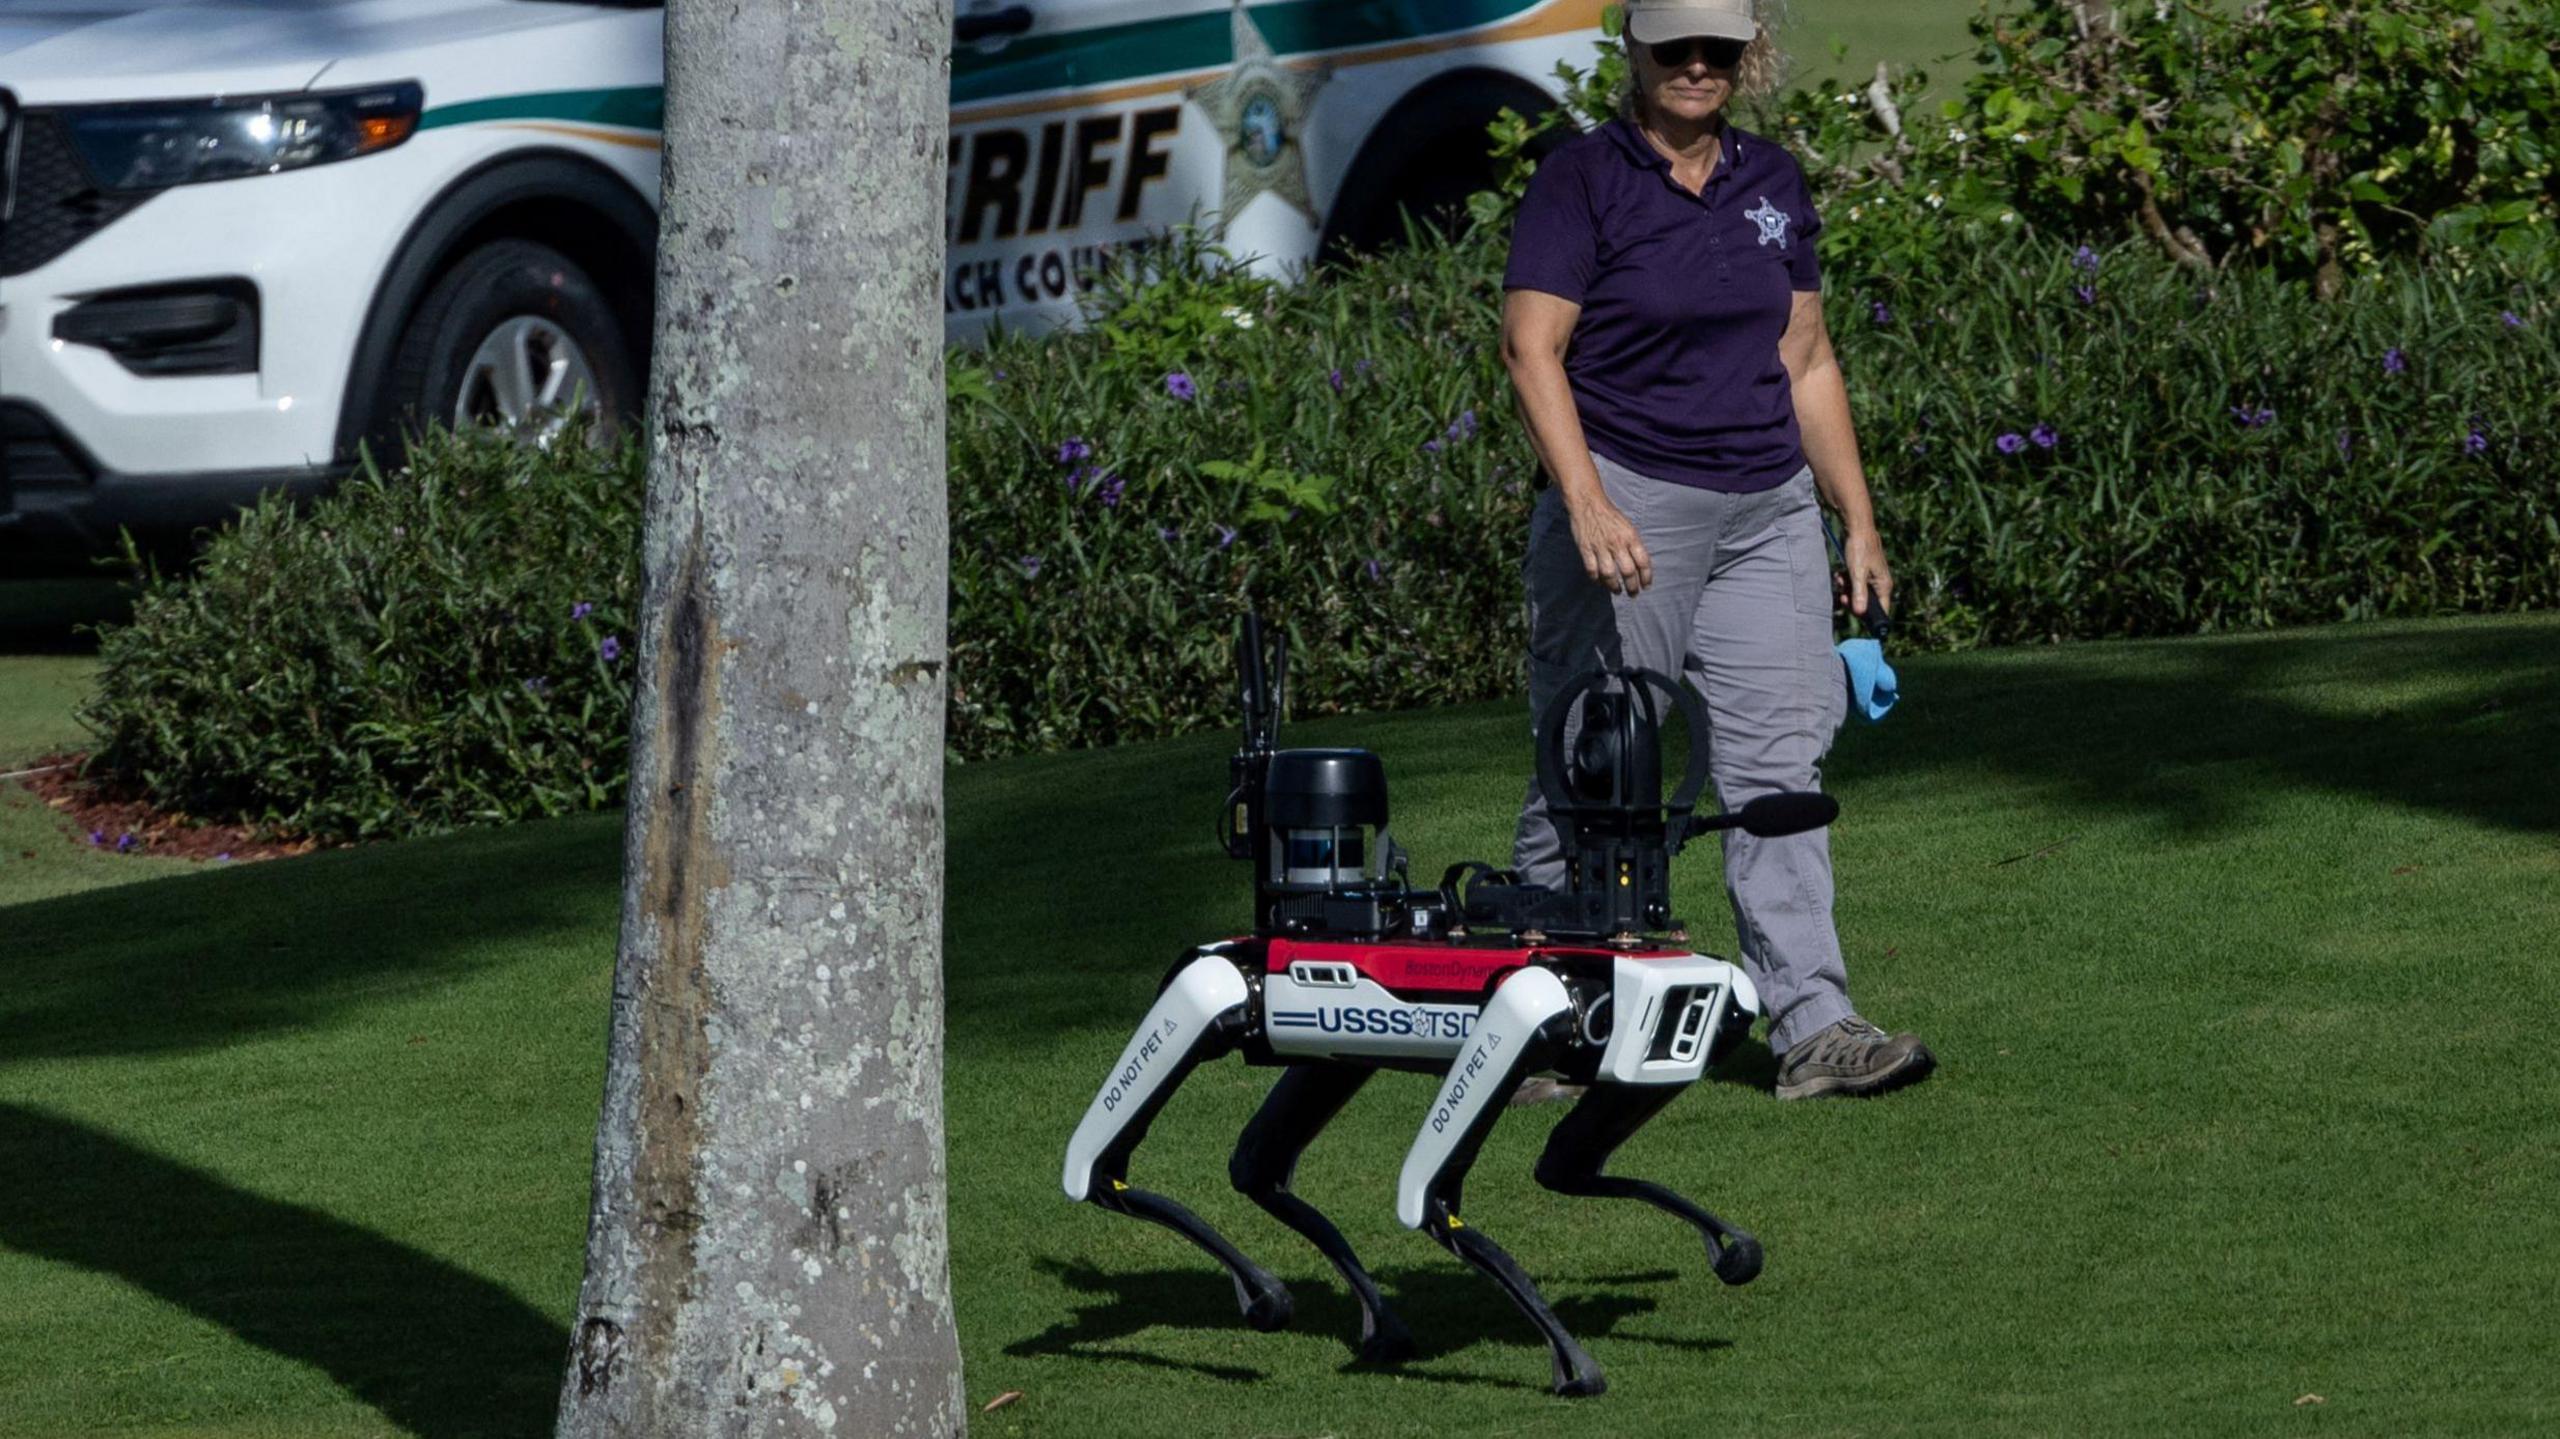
(1483, 981)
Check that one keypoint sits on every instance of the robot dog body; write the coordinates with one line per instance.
(1348, 972)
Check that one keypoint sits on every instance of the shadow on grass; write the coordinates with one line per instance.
(209, 958)
(1075, 880)
(2453, 719)
(1448, 1308)
(292, 1281)
(1088, 874)
(53, 615)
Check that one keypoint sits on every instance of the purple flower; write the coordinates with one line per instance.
(1431, 447)
(1178, 385)
(2045, 436)
(1072, 449)
(1362, 368)
(2394, 360)
(581, 610)
(1880, 312)
(1377, 571)
(2476, 443)
(2010, 442)
(1168, 533)
(539, 684)
(1464, 426)
(2346, 445)
(999, 374)
(2250, 418)
(2511, 319)
(223, 858)
(2085, 258)
(2088, 294)
(1030, 566)
(125, 842)
(1335, 380)
(97, 837)
(1226, 536)
(1112, 485)
(1077, 476)
(611, 649)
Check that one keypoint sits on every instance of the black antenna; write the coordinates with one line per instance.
(1254, 689)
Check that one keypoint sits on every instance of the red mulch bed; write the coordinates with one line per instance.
(126, 823)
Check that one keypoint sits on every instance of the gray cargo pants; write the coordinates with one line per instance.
(1740, 602)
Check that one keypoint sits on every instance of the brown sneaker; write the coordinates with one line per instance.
(1538, 1089)
(1852, 1057)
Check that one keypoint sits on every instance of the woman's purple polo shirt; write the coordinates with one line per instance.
(1674, 359)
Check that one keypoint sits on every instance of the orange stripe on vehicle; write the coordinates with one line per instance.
(583, 132)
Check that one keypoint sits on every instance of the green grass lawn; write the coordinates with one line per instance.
(1843, 39)
(2237, 953)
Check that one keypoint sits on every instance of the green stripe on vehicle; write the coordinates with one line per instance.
(636, 107)
(1295, 27)
(1073, 59)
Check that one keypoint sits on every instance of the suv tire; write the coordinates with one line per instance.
(505, 336)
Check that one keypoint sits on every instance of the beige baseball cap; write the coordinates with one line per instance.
(1650, 22)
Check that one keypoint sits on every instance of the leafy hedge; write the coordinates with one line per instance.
(2064, 443)
(437, 647)
(2317, 140)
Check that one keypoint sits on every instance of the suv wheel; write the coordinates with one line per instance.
(513, 337)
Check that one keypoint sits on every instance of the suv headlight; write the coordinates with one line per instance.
(157, 144)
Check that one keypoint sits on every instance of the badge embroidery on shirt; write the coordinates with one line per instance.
(1772, 222)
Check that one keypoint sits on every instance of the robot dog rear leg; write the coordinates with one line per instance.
(1582, 1143)
(1305, 1100)
(1522, 1027)
(1199, 1016)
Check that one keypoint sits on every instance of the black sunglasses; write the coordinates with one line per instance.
(1675, 54)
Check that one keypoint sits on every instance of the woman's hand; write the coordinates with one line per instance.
(1866, 574)
(1611, 551)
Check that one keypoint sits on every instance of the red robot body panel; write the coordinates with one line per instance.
(1424, 966)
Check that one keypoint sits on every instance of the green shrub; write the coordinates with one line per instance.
(2317, 140)
(2195, 481)
(2181, 455)
(431, 648)
(1339, 454)
(2320, 138)
(2225, 453)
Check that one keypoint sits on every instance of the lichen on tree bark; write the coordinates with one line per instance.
(767, 1251)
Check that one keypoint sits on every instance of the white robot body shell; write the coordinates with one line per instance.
(1206, 988)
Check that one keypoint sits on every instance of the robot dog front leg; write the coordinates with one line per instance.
(1519, 1033)
(1581, 1145)
(1200, 1015)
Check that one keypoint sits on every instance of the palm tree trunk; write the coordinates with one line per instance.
(767, 1250)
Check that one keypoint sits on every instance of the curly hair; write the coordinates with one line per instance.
(1763, 68)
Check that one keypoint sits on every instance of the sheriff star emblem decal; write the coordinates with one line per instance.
(1258, 105)
(1772, 222)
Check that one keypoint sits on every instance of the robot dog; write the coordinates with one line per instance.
(1483, 981)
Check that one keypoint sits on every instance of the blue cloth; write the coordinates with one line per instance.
(1873, 687)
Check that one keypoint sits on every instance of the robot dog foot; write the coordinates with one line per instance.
(1581, 1146)
(1305, 1100)
(1522, 1026)
(1199, 1016)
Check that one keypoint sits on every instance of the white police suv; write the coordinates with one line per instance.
(239, 238)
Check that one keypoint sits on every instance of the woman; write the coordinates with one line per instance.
(1662, 323)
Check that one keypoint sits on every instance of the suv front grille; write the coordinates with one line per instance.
(49, 203)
